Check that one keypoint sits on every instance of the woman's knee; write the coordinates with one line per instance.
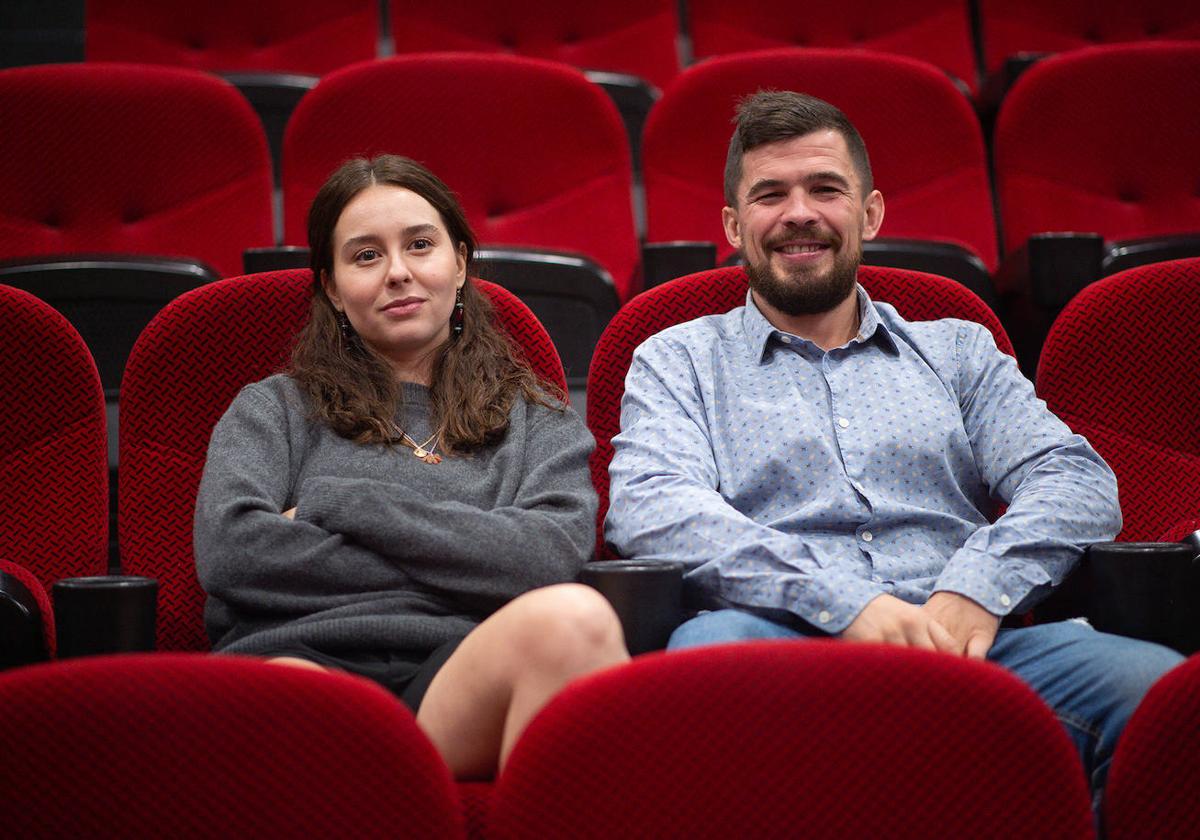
(565, 627)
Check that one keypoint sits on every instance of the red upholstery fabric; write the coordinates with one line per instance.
(194, 747)
(1121, 367)
(1155, 773)
(917, 296)
(294, 36)
(183, 372)
(1102, 140)
(475, 800)
(53, 448)
(936, 31)
(156, 160)
(926, 147)
(815, 738)
(625, 36)
(1181, 529)
(1016, 26)
(536, 153)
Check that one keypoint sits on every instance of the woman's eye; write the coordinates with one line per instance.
(366, 255)
(422, 244)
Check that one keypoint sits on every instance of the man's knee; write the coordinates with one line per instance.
(721, 626)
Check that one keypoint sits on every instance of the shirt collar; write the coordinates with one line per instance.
(759, 331)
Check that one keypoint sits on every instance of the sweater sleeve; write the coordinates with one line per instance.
(248, 555)
(484, 556)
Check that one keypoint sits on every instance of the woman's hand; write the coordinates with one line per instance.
(289, 514)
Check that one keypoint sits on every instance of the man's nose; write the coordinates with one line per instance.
(798, 209)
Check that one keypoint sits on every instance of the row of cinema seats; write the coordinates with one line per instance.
(171, 164)
(1120, 367)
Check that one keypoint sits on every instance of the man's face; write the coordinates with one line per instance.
(800, 222)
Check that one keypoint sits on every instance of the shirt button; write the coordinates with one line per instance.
(867, 536)
(824, 617)
(1005, 600)
(843, 422)
(786, 339)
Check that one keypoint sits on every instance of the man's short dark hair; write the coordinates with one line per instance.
(772, 115)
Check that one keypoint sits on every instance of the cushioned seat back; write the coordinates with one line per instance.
(805, 738)
(121, 158)
(183, 372)
(936, 31)
(536, 153)
(917, 296)
(1102, 140)
(1121, 366)
(170, 745)
(925, 144)
(624, 36)
(294, 36)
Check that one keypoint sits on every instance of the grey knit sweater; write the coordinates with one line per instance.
(386, 552)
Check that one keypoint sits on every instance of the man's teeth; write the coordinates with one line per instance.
(801, 249)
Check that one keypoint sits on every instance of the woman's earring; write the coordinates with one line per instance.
(456, 317)
(344, 325)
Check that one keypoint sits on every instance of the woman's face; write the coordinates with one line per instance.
(395, 273)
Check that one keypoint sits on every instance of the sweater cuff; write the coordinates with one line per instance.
(320, 502)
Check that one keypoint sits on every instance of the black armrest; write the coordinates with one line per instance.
(663, 261)
(1147, 591)
(573, 297)
(997, 84)
(277, 258)
(273, 96)
(944, 258)
(647, 596)
(108, 298)
(22, 637)
(634, 97)
(1134, 252)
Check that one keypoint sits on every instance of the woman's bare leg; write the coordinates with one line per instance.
(295, 662)
(510, 666)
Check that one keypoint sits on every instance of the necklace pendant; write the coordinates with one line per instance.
(419, 452)
(432, 458)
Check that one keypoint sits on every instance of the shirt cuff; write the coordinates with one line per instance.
(833, 606)
(997, 586)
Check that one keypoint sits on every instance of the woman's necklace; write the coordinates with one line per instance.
(424, 451)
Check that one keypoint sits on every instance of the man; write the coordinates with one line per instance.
(824, 467)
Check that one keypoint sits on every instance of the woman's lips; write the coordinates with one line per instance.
(407, 306)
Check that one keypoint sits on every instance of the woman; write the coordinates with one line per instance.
(391, 505)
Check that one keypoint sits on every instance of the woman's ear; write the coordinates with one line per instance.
(330, 290)
(461, 262)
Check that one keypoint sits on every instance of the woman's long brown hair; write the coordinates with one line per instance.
(350, 387)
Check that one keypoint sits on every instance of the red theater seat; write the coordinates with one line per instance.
(817, 738)
(197, 747)
(936, 31)
(53, 465)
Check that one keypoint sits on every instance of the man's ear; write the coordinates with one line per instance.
(733, 230)
(872, 214)
(330, 290)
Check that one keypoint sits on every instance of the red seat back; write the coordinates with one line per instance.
(936, 31)
(122, 158)
(53, 449)
(536, 153)
(1152, 786)
(810, 737)
(184, 746)
(185, 369)
(1011, 27)
(1121, 366)
(294, 36)
(917, 296)
(624, 36)
(925, 144)
(1102, 140)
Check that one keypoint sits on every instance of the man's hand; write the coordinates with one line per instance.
(888, 619)
(972, 627)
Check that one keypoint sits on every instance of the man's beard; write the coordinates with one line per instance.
(803, 292)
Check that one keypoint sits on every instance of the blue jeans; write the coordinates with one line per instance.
(1092, 681)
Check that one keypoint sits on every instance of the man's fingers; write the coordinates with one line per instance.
(978, 646)
(942, 639)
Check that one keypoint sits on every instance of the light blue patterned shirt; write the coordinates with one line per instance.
(790, 478)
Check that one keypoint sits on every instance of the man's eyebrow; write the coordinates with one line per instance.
(764, 184)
